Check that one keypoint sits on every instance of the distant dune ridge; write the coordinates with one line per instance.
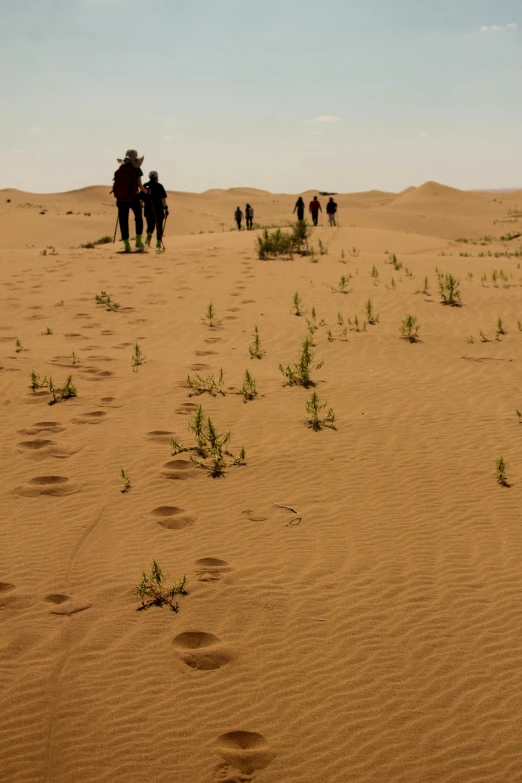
(353, 593)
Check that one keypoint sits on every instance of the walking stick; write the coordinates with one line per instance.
(116, 228)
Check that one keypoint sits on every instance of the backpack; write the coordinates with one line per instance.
(125, 183)
(250, 212)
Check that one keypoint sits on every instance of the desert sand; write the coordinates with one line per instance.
(374, 635)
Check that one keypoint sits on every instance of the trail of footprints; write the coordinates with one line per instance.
(242, 753)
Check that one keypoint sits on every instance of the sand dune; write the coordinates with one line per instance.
(373, 634)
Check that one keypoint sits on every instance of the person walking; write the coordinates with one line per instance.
(299, 208)
(331, 211)
(239, 217)
(315, 208)
(156, 209)
(126, 189)
(249, 214)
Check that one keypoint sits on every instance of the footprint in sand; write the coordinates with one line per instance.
(187, 408)
(40, 448)
(197, 367)
(179, 469)
(109, 402)
(43, 426)
(248, 301)
(213, 340)
(160, 436)
(65, 605)
(172, 517)
(92, 417)
(56, 486)
(253, 516)
(95, 374)
(211, 569)
(202, 651)
(244, 752)
(206, 353)
(37, 397)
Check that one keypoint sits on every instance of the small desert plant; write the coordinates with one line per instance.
(298, 374)
(470, 339)
(395, 262)
(323, 250)
(49, 250)
(297, 302)
(48, 330)
(342, 286)
(105, 299)
(329, 336)
(255, 350)
(275, 243)
(154, 592)
(375, 272)
(340, 319)
(501, 472)
(126, 480)
(60, 303)
(37, 382)
(500, 329)
(210, 446)
(426, 289)
(75, 359)
(210, 316)
(138, 357)
(371, 317)
(199, 385)
(19, 347)
(483, 337)
(313, 408)
(519, 326)
(249, 388)
(354, 252)
(449, 290)
(409, 329)
(64, 392)
(519, 416)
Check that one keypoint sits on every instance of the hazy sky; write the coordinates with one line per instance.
(286, 95)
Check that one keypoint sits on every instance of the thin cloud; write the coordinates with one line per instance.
(36, 129)
(495, 28)
(322, 118)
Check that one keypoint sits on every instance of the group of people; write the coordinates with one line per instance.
(130, 192)
(314, 208)
(248, 214)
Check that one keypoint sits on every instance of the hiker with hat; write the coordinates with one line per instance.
(156, 209)
(126, 189)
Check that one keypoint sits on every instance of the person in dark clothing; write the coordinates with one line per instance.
(156, 209)
(126, 188)
(249, 214)
(331, 211)
(238, 215)
(315, 208)
(299, 208)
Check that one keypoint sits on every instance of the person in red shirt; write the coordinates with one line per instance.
(315, 208)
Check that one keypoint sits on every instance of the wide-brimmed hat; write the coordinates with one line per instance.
(131, 156)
